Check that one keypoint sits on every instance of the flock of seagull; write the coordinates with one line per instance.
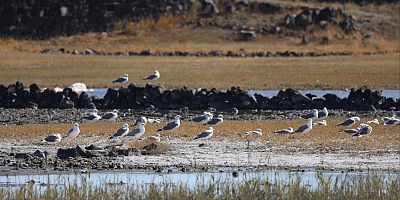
(208, 119)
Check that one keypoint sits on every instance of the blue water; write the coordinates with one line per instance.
(100, 92)
(308, 178)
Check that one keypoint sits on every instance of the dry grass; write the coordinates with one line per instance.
(379, 72)
(321, 138)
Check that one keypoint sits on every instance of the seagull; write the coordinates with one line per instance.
(53, 138)
(364, 129)
(203, 119)
(121, 132)
(375, 121)
(391, 122)
(153, 77)
(349, 131)
(235, 111)
(323, 114)
(152, 121)
(321, 123)
(121, 80)
(156, 137)
(110, 116)
(257, 132)
(137, 132)
(174, 124)
(313, 115)
(284, 131)
(305, 128)
(73, 132)
(141, 119)
(205, 134)
(215, 121)
(349, 122)
(92, 117)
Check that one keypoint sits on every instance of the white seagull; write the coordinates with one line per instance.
(257, 132)
(153, 77)
(349, 131)
(284, 131)
(305, 128)
(215, 121)
(349, 122)
(313, 115)
(323, 114)
(73, 132)
(391, 122)
(53, 138)
(110, 116)
(205, 134)
(137, 132)
(121, 80)
(92, 116)
(375, 121)
(174, 124)
(321, 123)
(121, 132)
(203, 119)
(141, 119)
(364, 129)
(156, 137)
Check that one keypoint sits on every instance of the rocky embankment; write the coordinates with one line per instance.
(155, 97)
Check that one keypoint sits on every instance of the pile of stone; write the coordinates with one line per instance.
(153, 97)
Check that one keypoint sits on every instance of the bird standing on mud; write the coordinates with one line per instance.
(74, 132)
(205, 134)
(305, 128)
(174, 124)
(121, 132)
(137, 132)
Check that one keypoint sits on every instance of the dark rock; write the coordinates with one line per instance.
(96, 153)
(40, 154)
(93, 147)
(127, 152)
(268, 8)
(34, 89)
(22, 155)
(67, 153)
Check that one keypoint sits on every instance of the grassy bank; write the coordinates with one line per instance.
(379, 72)
(362, 187)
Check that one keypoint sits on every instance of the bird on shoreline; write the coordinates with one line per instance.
(364, 129)
(257, 132)
(323, 114)
(203, 119)
(215, 121)
(172, 125)
(92, 116)
(207, 134)
(305, 128)
(110, 116)
(313, 115)
(121, 132)
(74, 132)
(53, 138)
(153, 77)
(285, 131)
(137, 132)
(349, 122)
(121, 80)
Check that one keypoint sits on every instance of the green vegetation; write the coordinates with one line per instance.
(370, 186)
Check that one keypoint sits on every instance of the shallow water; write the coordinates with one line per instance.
(308, 178)
(100, 92)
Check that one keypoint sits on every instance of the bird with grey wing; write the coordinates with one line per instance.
(53, 138)
(323, 114)
(349, 122)
(174, 124)
(349, 131)
(153, 77)
(305, 128)
(121, 80)
(203, 119)
(285, 131)
(321, 123)
(74, 132)
(141, 119)
(257, 132)
(121, 132)
(137, 132)
(91, 117)
(364, 129)
(215, 121)
(391, 121)
(110, 116)
(205, 134)
(313, 115)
